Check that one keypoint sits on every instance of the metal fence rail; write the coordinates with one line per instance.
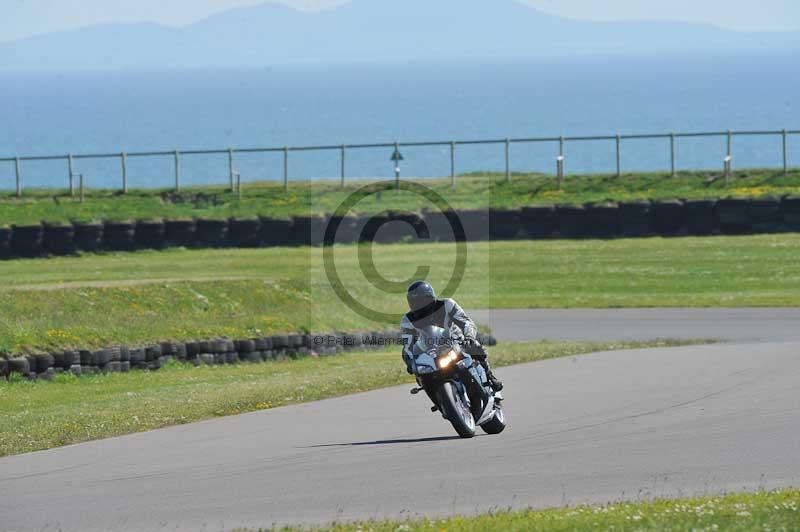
(559, 159)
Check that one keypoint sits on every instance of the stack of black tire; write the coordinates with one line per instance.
(733, 216)
(150, 234)
(443, 226)
(5, 242)
(603, 221)
(244, 233)
(392, 226)
(211, 233)
(275, 232)
(627, 219)
(476, 223)
(766, 215)
(26, 240)
(59, 239)
(88, 236)
(701, 218)
(572, 221)
(119, 236)
(307, 230)
(790, 207)
(347, 230)
(220, 351)
(668, 217)
(505, 224)
(180, 233)
(636, 218)
(538, 222)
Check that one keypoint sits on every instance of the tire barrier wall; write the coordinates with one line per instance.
(634, 219)
(221, 351)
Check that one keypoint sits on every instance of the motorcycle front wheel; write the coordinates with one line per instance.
(455, 410)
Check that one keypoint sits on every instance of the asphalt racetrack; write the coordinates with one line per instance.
(594, 428)
(601, 325)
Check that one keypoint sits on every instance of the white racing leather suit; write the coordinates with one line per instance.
(442, 313)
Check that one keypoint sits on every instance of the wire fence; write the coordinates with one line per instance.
(560, 156)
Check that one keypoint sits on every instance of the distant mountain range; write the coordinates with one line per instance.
(373, 30)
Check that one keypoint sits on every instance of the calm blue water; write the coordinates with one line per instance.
(80, 112)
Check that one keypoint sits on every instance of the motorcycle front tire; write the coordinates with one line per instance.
(455, 410)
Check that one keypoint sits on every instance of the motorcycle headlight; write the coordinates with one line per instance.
(424, 370)
(446, 360)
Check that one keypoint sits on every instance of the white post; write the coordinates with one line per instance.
(727, 167)
(177, 171)
(286, 169)
(18, 169)
(453, 164)
(560, 170)
(343, 154)
(730, 148)
(785, 158)
(124, 159)
(230, 166)
(397, 168)
(672, 153)
(508, 160)
(71, 175)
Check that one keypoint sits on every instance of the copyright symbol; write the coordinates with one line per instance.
(319, 340)
(367, 238)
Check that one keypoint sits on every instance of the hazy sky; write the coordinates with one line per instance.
(21, 18)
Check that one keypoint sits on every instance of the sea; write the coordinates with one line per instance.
(46, 113)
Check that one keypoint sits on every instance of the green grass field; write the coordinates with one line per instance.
(134, 298)
(743, 512)
(41, 414)
(474, 191)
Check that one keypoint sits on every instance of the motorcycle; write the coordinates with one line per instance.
(456, 383)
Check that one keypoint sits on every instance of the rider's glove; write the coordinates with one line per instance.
(409, 369)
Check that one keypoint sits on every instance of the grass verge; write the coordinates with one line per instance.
(742, 512)
(41, 415)
(102, 300)
(474, 191)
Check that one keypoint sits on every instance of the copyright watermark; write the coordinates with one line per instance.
(353, 341)
(391, 288)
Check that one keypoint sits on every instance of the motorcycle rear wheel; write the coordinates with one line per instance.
(455, 410)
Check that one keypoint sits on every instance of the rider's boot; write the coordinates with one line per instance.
(494, 382)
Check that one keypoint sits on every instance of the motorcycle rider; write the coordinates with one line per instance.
(427, 310)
